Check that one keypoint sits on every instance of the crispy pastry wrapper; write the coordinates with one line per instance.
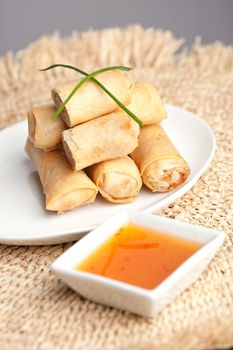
(44, 132)
(118, 180)
(107, 137)
(64, 188)
(90, 101)
(160, 164)
(147, 104)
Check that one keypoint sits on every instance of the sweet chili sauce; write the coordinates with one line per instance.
(139, 256)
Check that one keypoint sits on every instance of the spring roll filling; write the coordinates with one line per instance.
(165, 174)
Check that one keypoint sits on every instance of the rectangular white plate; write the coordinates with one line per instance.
(145, 302)
(23, 219)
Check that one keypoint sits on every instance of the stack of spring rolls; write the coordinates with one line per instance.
(95, 146)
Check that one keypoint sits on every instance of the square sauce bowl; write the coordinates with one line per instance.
(127, 296)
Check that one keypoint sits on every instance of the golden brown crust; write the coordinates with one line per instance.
(160, 164)
(118, 180)
(44, 132)
(146, 104)
(90, 101)
(110, 136)
(64, 188)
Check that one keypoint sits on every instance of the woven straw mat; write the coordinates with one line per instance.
(40, 312)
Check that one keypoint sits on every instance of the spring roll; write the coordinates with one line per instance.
(160, 164)
(118, 180)
(146, 104)
(64, 188)
(90, 101)
(44, 132)
(110, 136)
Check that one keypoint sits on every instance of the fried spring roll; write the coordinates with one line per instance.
(44, 132)
(90, 101)
(146, 104)
(161, 166)
(118, 180)
(64, 188)
(111, 136)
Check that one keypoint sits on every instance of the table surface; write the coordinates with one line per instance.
(40, 312)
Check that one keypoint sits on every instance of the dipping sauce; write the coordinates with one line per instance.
(139, 256)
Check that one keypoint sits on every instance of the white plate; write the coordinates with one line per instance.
(23, 219)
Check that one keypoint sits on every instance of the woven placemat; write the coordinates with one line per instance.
(40, 312)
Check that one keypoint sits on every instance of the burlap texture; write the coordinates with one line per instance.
(40, 312)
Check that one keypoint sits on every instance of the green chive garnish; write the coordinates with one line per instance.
(92, 77)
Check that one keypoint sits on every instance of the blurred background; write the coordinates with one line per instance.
(23, 21)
